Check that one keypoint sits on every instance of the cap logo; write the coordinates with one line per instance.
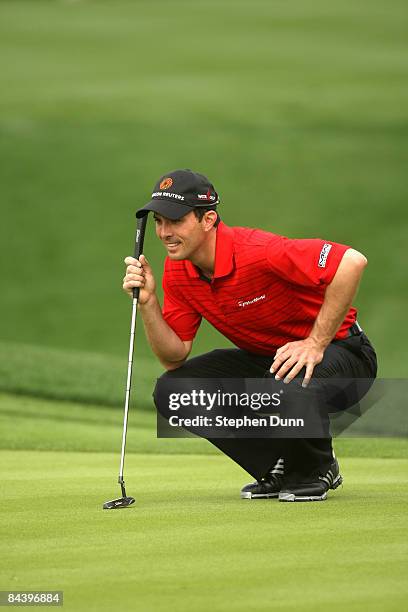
(206, 196)
(166, 183)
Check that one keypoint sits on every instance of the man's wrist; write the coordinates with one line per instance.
(320, 342)
(151, 301)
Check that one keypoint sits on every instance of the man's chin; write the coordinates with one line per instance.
(175, 256)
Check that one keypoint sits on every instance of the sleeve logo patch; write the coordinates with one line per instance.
(323, 255)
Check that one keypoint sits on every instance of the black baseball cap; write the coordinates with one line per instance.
(176, 193)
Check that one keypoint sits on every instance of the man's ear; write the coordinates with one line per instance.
(209, 219)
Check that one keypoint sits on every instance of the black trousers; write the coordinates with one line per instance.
(304, 458)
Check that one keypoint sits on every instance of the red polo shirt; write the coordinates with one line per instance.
(267, 289)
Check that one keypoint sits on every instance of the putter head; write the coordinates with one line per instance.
(121, 502)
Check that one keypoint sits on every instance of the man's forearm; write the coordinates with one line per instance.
(164, 341)
(338, 297)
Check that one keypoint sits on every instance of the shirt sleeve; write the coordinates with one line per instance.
(306, 262)
(178, 314)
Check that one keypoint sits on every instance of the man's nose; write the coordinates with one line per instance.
(166, 230)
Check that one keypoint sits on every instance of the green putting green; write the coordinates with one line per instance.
(190, 542)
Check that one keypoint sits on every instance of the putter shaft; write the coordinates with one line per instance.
(127, 396)
(125, 500)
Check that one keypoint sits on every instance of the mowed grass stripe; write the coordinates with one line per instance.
(79, 376)
(38, 424)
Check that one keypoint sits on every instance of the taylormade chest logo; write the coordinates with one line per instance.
(323, 255)
(242, 304)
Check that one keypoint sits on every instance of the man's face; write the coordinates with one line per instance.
(182, 237)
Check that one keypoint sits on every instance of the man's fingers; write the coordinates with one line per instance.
(278, 360)
(293, 372)
(134, 270)
(308, 375)
(131, 261)
(133, 283)
(280, 373)
(281, 349)
(144, 262)
(276, 365)
(289, 374)
(133, 278)
(295, 355)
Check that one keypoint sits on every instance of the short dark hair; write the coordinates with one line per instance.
(200, 211)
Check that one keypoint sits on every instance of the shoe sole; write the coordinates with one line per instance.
(291, 497)
(249, 495)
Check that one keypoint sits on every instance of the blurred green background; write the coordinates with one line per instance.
(296, 110)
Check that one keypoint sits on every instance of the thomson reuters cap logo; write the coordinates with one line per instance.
(166, 183)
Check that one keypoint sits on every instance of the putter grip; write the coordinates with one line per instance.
(139, 239)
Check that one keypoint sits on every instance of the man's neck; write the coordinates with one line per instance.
(205, 258)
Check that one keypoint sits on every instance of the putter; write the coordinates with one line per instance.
(125, 501)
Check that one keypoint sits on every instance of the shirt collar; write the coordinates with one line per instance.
(224, 254)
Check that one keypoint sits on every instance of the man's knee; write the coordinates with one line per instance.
(169, 386)
(162, 392)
